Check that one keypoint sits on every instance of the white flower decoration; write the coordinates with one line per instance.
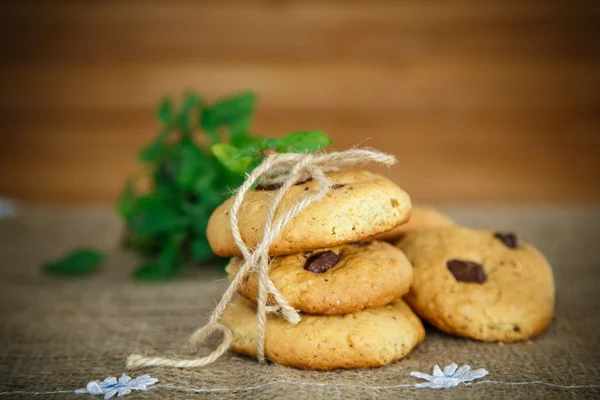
(452, 376)
(122, 387)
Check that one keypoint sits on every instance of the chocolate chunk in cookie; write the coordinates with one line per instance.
(509, 239)
(321, 262)
(466, 271)
(268, 188)
(275, 186)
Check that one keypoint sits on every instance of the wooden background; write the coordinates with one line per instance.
(481, 101)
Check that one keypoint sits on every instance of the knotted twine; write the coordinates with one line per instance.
(284, 170)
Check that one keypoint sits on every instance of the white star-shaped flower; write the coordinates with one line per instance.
(450, 377)
(122, 387)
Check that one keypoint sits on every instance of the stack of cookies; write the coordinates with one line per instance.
(327, 265)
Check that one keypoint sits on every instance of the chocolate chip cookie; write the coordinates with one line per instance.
(359, 204)
(421, 218)
(368, 338)
(338, 280)
(479, 284)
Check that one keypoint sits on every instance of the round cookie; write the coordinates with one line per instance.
(368, 338)
(366, 275)
(360, 204)
(479, 284)
(421, 218)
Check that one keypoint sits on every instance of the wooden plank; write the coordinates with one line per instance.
(482, 102)
(439, 159)
(455, 83)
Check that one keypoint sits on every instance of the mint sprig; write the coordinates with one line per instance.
(198, 158)
(76, 263)
(243, 160)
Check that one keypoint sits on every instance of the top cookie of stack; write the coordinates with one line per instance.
(359, 205)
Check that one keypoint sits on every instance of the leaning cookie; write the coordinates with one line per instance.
(368, 338)
(339, 280)
(421, 218)
(359, 204)
(479, 284)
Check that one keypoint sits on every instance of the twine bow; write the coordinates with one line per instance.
(285, 169)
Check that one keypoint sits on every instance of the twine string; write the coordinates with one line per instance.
(285, 169)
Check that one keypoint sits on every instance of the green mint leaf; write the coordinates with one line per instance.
(255, 163)
(152, 152)
(77, 263)
(190, 102)
(270, 143)
(193, 166)
(234, 108)
(195, 176)
(209, 125)
(205, 180)
(153, 216)
(238, 130)
(165, 111)
(200, 249)
(155, 150)
(234, 113)
(154, 272)
(200, 220)
(165, 173)
(166, 266)
(126, 202)
(247, 141)
(159, 221)
(231, 158)
(303, 142)
(249, 151)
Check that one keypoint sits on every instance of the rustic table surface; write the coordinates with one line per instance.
(56, 335)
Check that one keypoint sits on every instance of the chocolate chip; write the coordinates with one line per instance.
(268, 188)
(466, 271)
(338, 185)
(321, 262)
(276, 186)
(509, 239)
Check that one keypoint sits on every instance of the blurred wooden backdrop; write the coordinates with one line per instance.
(481, 101)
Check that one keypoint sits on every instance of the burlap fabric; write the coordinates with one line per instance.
(59, 334)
